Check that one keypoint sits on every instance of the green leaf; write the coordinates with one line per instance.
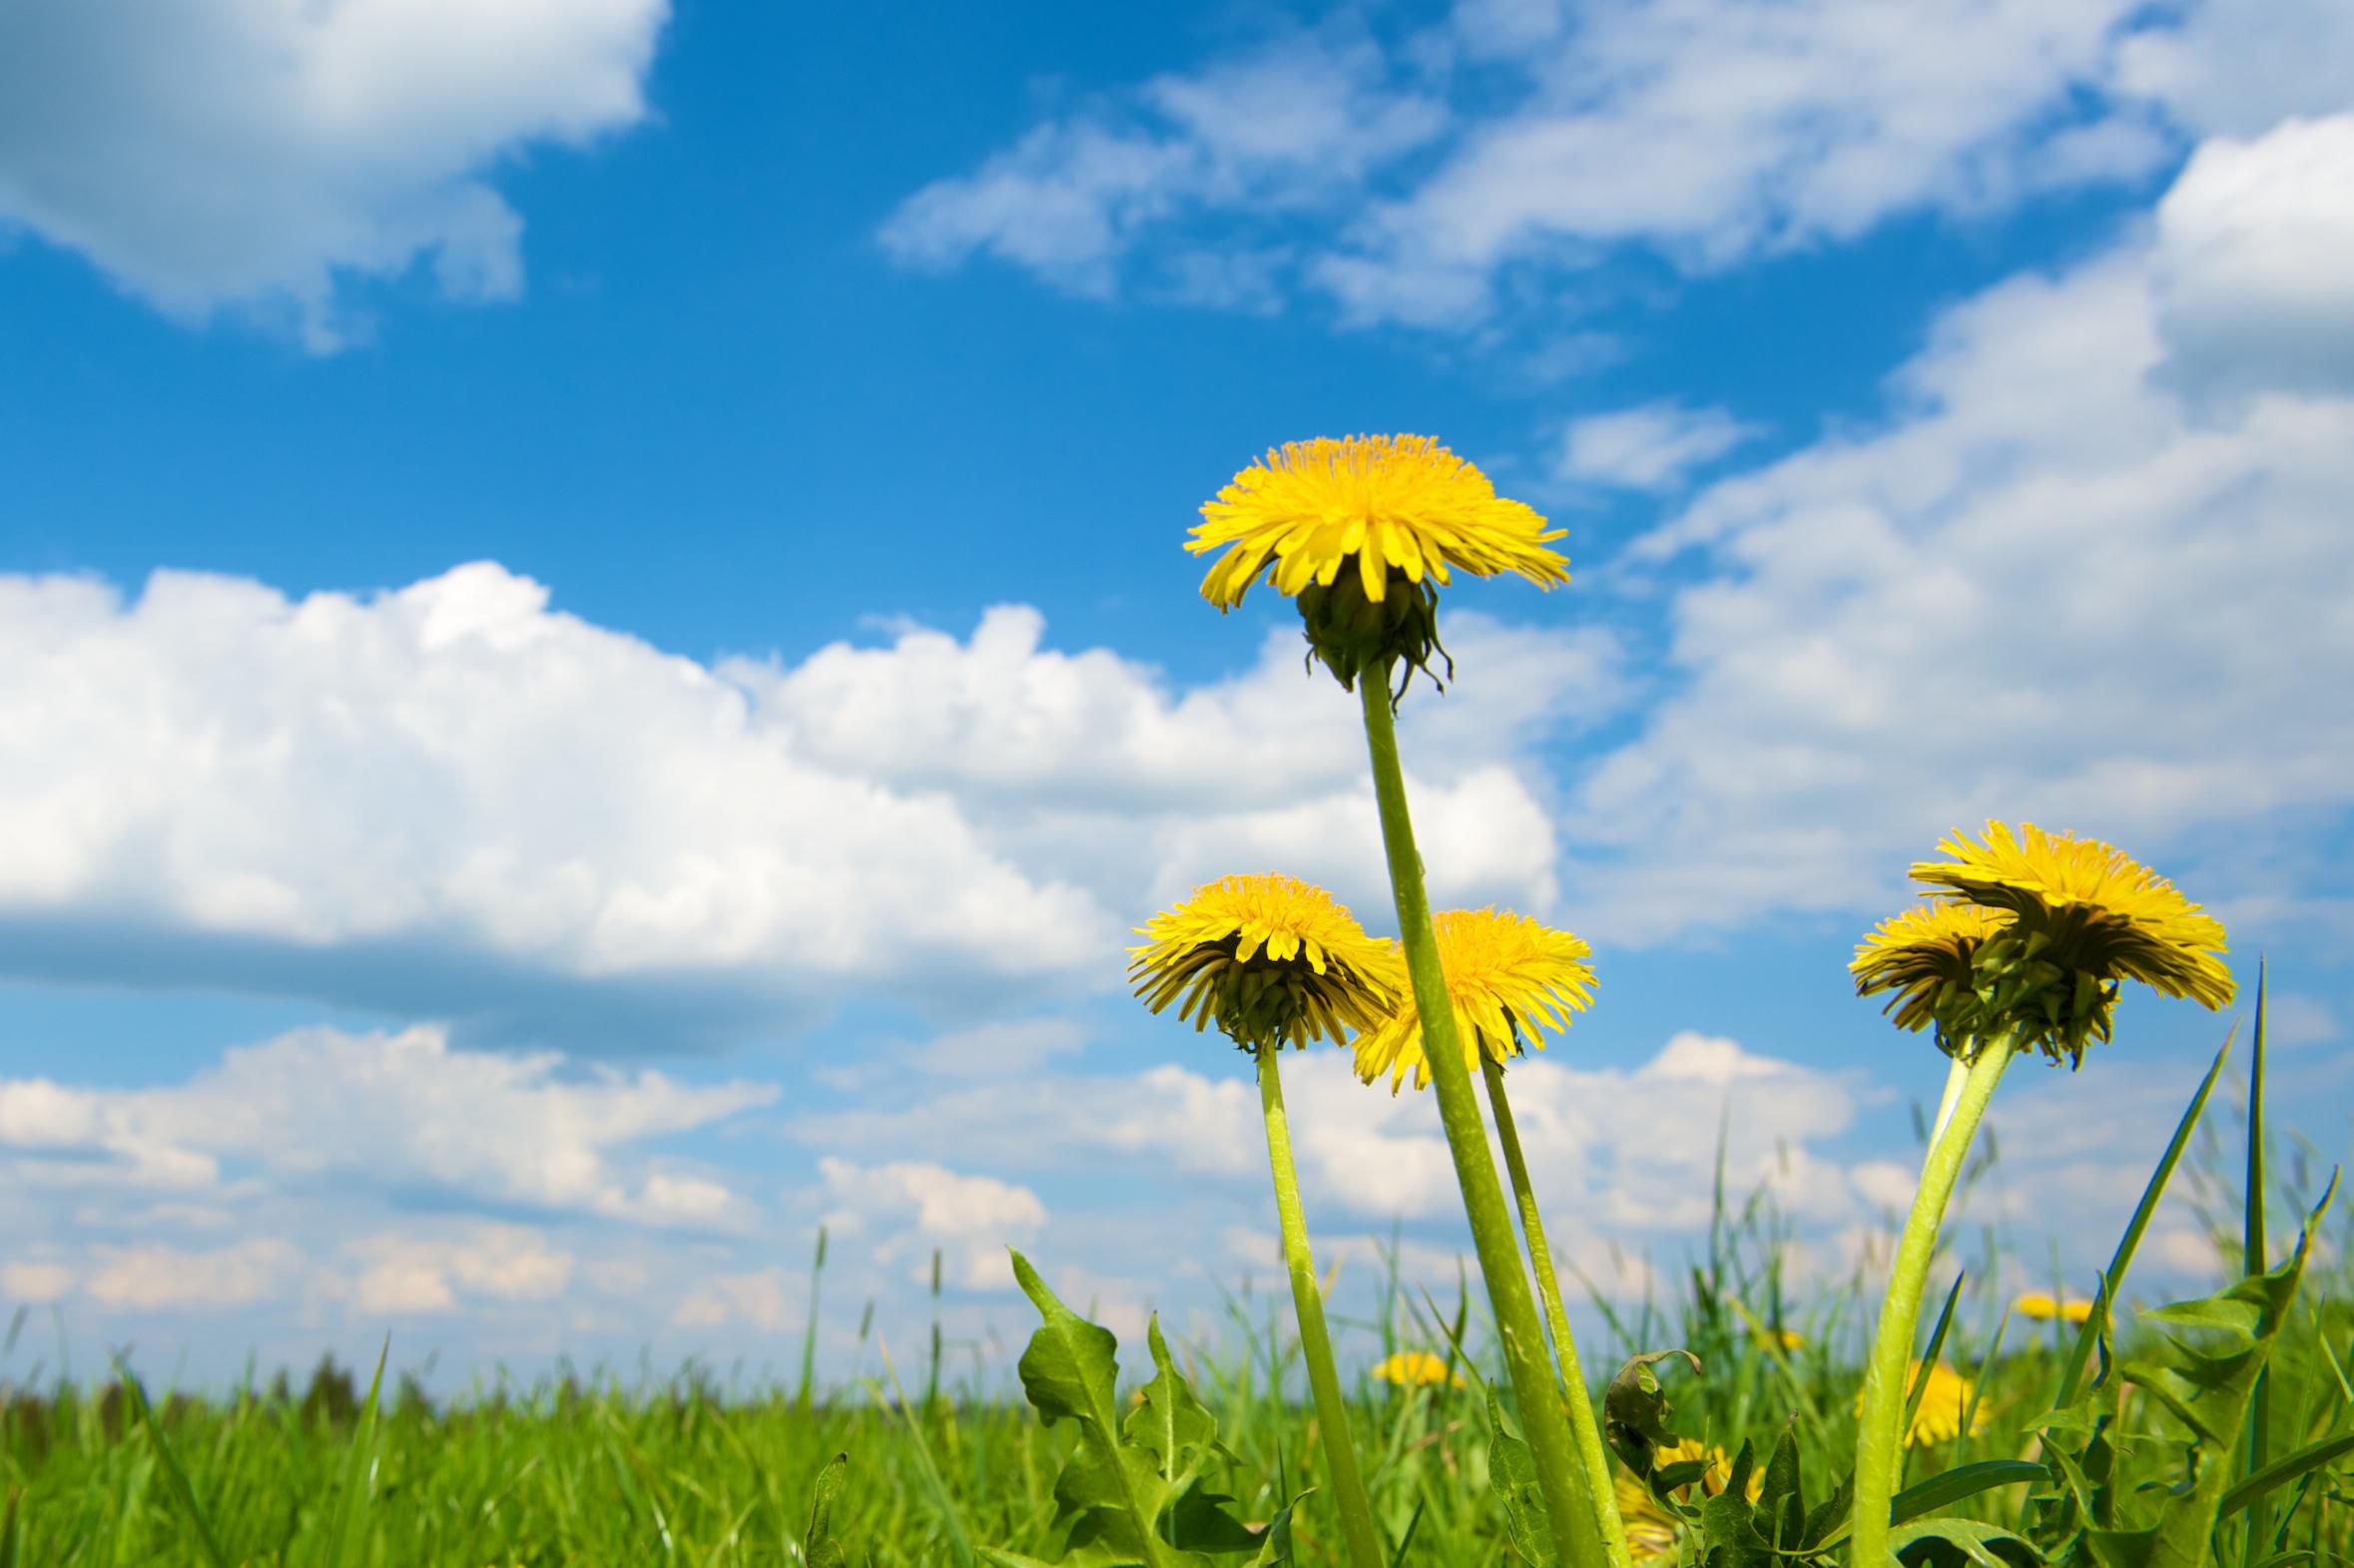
(1965, 1480)
(2282, 1471)
(1782, 1498)
(8, 1528)
(1275, 1542)
(1948, 1543)
(819, 1549)
(1512, 1471)
(1131, 1492)
(1636, 1410)
(1728, 1521)
(2210, 1383)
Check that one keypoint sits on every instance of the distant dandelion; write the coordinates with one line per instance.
(2044, 1308)
(1943, 1403)
(1417, 1369)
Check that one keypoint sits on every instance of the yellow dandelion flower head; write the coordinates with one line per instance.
(1652, 1531)
(2042, 1308)
(1939, 1419)
(1417, 1369)
(1272, 960)
(1927, 957)
(2085, 918)
(1372, 502)
(1783, 1339)
(1508, 977)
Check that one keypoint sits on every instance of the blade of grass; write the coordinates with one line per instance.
(2282, 1471)
(2071, 1376)
(924, 1467)
(359, 1469)
(174, 1476)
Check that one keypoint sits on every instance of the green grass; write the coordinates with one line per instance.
(602, 1474)
(343, 1473)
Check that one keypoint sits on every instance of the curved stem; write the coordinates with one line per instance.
(1316, 1346)
(1879, 1432)
(1541, 1418)
(1583, 1427)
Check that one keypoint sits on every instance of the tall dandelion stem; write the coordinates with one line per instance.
(1879, 1432)
(1531, 1369)
(1583, 1427)
(1316, 1346)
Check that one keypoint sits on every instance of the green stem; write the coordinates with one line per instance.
(1879, 1434)
(1582, 1426)
(1547, 1430)
(1340, 1453)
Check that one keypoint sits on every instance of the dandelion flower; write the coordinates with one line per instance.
(1783, 1339)
(2084, 916)
(1272, 960)
(1938, 1420)
(1652, 1531)
(1508, 977)
(2042, 1307)
(1371, 503)
(1926, 957)
(1417, 1369)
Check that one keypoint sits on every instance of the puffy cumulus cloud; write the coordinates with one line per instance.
(1651, 448)
(2248, 266)
(396, 1273)
(451, 794)
(898, 1211)
(1291, 127)
(263, 155)
(2056, 586)
(402, 1110)
(766, 1299)
(450, 801)
(157, 1277)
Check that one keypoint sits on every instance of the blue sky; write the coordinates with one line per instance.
(606, 661)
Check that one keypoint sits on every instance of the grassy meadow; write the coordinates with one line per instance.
(593, 1471)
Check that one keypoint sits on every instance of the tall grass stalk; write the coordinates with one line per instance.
(1582, 1426)
(1879, 1429)
(1558, 1469)
(1316, 1346)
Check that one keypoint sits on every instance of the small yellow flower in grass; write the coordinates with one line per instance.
(1417, 1369)
(2084, 916)
(2044, 1308)
(1783, 1339)
(1508, 977)
(1362, 532)
(1272, 960)
(1939, 1419)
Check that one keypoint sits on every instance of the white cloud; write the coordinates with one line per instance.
(155, 1276)
(397, 1108)
(1651, 448)
(2238, 67)
(405, 1273)
(2249, 268)
(36, 1284)
(1706, 131)
(903, 1208)
(263, 155)
(767, 1298)
(449, 800)
(2054, 588)
(1289, 127)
